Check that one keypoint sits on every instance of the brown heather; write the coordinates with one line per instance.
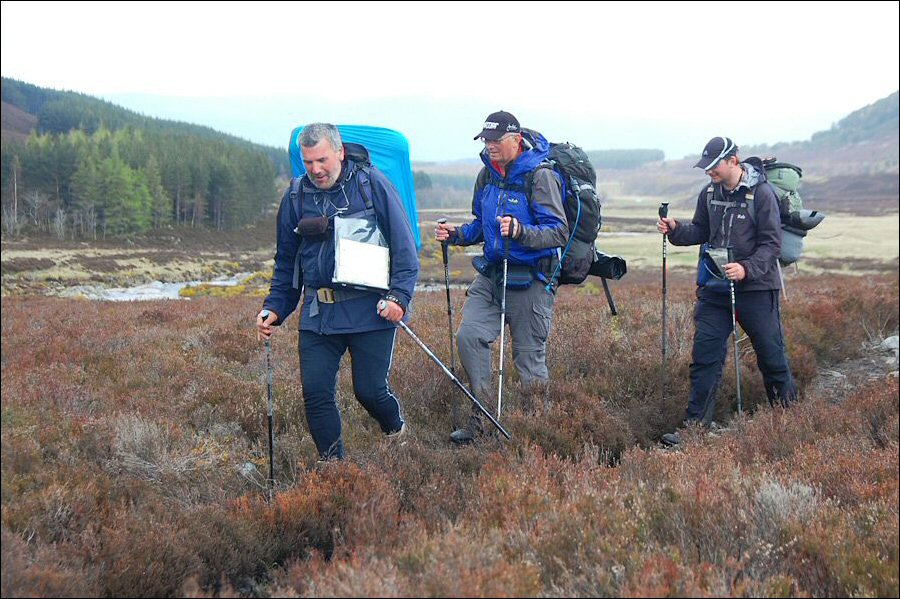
(134, 460)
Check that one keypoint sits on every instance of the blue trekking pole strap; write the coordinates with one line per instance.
(549, 287)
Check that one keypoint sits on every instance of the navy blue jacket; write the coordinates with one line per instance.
(542, 220)
(754, 231)
(358, 314)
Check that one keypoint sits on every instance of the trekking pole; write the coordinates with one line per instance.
(444, 254)
(737, 359)
(663, 213)
(270, 415)
(609, 297)
(502, 321)
(453, 378)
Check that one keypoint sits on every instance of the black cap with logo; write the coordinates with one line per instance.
(717, 149)
(498, 124)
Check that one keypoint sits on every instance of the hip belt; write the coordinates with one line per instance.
(327, 295)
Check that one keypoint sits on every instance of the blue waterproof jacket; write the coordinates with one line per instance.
(542, 220)
(316, 260)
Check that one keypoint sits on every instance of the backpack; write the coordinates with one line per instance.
(388, 151)
(582, 207)
(796, 221)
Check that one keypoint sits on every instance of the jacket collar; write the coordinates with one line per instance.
(751, 177)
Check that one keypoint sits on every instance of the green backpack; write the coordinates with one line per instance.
(796, 221)
(785, 178)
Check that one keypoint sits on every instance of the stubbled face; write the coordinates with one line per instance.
(322, 163)
(724, 170)
(504, 150)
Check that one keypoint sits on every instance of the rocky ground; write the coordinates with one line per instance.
(879, 359)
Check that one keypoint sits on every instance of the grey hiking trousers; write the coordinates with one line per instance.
(528, 314)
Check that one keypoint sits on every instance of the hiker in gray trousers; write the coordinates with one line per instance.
(519, 216)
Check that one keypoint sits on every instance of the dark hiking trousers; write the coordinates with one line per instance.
(320, 358)
(759, 314)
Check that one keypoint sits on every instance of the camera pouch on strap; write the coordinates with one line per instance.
(711, 268)
(312, 226)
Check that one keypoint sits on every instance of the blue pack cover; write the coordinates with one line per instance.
(389, 152)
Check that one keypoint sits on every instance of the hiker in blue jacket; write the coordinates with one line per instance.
(536, 227)
(738, 209)
(334, 319)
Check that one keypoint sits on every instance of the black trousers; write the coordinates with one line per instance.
(759, 314)
(320, 358)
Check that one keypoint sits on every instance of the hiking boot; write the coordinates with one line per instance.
(462, 436)
(466, 434)
(671, 439)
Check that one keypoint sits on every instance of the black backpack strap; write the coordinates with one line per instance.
(749, 197)
(482, 179)
(481, 182)
(365, 184)
(296, 195)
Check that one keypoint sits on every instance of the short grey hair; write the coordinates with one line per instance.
(313, 133)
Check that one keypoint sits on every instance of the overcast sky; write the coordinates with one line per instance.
(604, 75)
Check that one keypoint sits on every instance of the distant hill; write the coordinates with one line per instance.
(877, 121)
(17, 124)
(83, 167)
(851, 167)
(62, 111)
(863, 142)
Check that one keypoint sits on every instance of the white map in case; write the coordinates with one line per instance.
(362, 264)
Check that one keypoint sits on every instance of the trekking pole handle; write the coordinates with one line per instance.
(264, 315)
(664, 209)
(442, 221)
(730, 251)
(506, 238)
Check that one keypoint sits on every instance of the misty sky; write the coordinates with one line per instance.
(666, 76)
